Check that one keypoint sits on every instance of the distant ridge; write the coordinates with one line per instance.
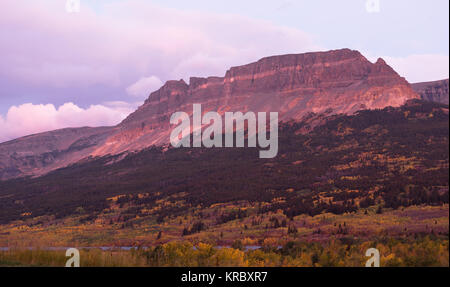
(436, 91)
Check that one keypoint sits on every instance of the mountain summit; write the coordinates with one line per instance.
(293, 85)
(340, 81)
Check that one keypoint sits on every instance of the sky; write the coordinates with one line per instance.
(64, 67)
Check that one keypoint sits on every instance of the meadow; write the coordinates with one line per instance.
(425, 251)
(412, 236)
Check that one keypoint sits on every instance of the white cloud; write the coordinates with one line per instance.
(29, 119)
(3, 136)
(144, 86)
(421, 68)
(123, 107)
(139, 42)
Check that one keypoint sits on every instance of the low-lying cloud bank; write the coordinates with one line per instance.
(30, 119)
(143, 87)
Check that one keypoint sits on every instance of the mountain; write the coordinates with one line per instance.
(397, 155)
(436, 91)
(338, 81)
(40, 153)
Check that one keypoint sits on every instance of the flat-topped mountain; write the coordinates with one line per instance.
(339, 81)
(293, 85)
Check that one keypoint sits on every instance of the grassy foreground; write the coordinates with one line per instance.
(424, 251)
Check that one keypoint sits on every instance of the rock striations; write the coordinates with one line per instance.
(340, 81)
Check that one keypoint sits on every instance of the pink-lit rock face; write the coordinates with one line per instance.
(340, 81)
(292, 85)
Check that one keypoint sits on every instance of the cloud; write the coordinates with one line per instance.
(421, 68)
(124, 50)
(107, 54)
(144, 86)
(29, 119)
(42, 45)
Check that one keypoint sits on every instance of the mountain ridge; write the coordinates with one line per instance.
(340, 81)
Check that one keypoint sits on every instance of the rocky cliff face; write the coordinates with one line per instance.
(293, 85)
(340, 81)
(436, 91)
